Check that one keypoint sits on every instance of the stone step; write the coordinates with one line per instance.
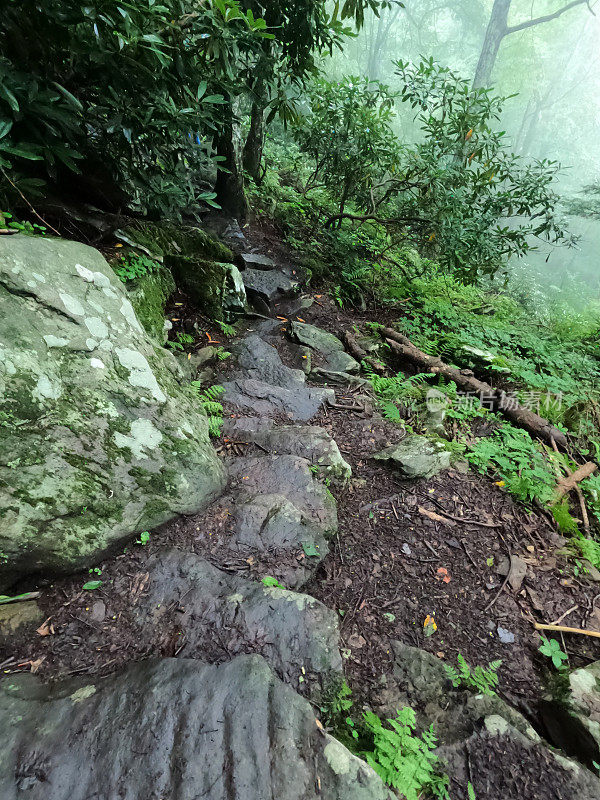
(263, 385)
(313, 443)
(173, 728)
(218, 616)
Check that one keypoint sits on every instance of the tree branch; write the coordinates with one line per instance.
(547, 17)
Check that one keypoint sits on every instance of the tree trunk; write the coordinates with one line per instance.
(229, 185)
(496, 31)
(255, 141)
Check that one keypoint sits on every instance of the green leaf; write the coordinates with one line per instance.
(91, 585)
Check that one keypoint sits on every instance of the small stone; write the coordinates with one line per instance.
(506, 637)
(256, 261)
(16, 615)
(98, 611)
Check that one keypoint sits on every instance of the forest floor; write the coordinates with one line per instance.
(404, 551)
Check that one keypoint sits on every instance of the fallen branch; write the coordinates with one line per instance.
(566, 485)
(574, 477)
(464, 379)
(357, 352)
(564, 629)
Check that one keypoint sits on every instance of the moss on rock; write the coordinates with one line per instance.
(149, 295)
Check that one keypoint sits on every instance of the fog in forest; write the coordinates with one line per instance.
(552, 69)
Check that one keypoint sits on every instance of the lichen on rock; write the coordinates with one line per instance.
(86, 400)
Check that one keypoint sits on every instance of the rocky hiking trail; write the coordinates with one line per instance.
(209, 652)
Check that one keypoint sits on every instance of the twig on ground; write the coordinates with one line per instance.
(565, 615)
(497, 595)
(565, 629)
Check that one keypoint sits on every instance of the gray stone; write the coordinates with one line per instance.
(263, 385)
(173, 728)
(308, 441)
(336, 360)
(287, 475)
(270, 529)
(17, 615)
(572, 713)
(270, 286)
(98, 440)
(220, 615)
(256, 261)
(416, 457)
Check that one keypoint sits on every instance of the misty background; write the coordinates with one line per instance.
(552, 68)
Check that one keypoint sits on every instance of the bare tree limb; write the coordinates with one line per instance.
(547, 17)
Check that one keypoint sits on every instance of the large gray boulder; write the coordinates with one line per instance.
(175, 729)
(98, 440)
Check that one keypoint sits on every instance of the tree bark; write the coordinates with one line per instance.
(229, 185)
(496, 30)
(255, 141)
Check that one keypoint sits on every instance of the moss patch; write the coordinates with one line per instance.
(164, 238)
(149, 295)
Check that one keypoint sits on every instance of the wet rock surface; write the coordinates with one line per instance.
(173, 728)
(220, 615)
(262, 385)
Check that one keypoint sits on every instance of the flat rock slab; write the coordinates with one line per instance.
(265, 534)
(176, 729)
(220, 615)
(336, 360)
(263, 385)
(270, 286)
(307, 441)
(256, 261)
(14, 616)
(416, 457)
(290, 476)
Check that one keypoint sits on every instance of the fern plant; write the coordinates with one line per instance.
(481, 679)
(405, 761)
(209, 398)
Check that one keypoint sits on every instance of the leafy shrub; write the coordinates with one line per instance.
(481, 679)
(127, 93)
(134, 265)
(403, 760)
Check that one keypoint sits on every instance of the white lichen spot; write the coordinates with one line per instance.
(31, 284)
(39, 278)
(236, 598)
(106, 409)
(496, 725)
(96, 306)
(45, 389)
(85, 273)
(101, 280)
(140, 373)
(106, 345)
(72, 304)
(55, 341)
(337, 757)
(109, 292)
(96, 363)
(83, 693)
(301, 600)
(129, 314)
(96, 327)
(91, 344)
(144, 436)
